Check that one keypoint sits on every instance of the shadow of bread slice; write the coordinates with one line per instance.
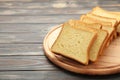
(101, 12)
(109, 29)
(98, 44)
(74, 43)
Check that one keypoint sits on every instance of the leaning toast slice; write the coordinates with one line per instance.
(84, 24)
(97, 47)
(105, 19)
(101, 12)
(105, 26)
(74, 43)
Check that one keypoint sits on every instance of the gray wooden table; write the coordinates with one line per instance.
(23, 25)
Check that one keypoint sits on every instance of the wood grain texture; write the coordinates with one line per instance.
(46, 4)
(39, 4)
(50, 11)
(34, 37)
(25, 28)
(53, 7)
(51, 75)
(21, 50)
(37, 19)
(23, 33)
(20, 63)
(36, 12)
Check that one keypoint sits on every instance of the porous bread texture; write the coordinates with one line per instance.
(74, 43)
(100, 41)
(105, 26)
(101, 12)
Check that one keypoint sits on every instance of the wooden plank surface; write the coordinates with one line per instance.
(21, 49)
(31, 4)
(27, 28)
(23, 33)
(51, 75)
(21, 38)
(23, 25)
(53, 7)
(37, 19)
(46, 11)
(20, 63)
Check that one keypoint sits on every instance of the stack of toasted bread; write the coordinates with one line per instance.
(84, 40)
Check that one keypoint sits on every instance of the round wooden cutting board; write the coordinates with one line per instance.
(108, 62)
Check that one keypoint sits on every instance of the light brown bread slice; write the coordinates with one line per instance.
(87, 19)
(118, 13)
(101, 12)
(107, 26)
(118, 26)
(104, 19)
(84, 24)
(110, 31)
(98, 44)
(74, 43)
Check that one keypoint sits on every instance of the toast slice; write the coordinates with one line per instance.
(84, 24)
(101, 12)
(104, 19)
(118, 13)
(110, 31)
(87, 19)
(98, 44)
(105, 26)
(74, 43)
(118, 26)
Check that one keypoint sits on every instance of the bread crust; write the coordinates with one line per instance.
(106, 19)
(88, 49)
(102, 46)
(111, 35)
(115, 15)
